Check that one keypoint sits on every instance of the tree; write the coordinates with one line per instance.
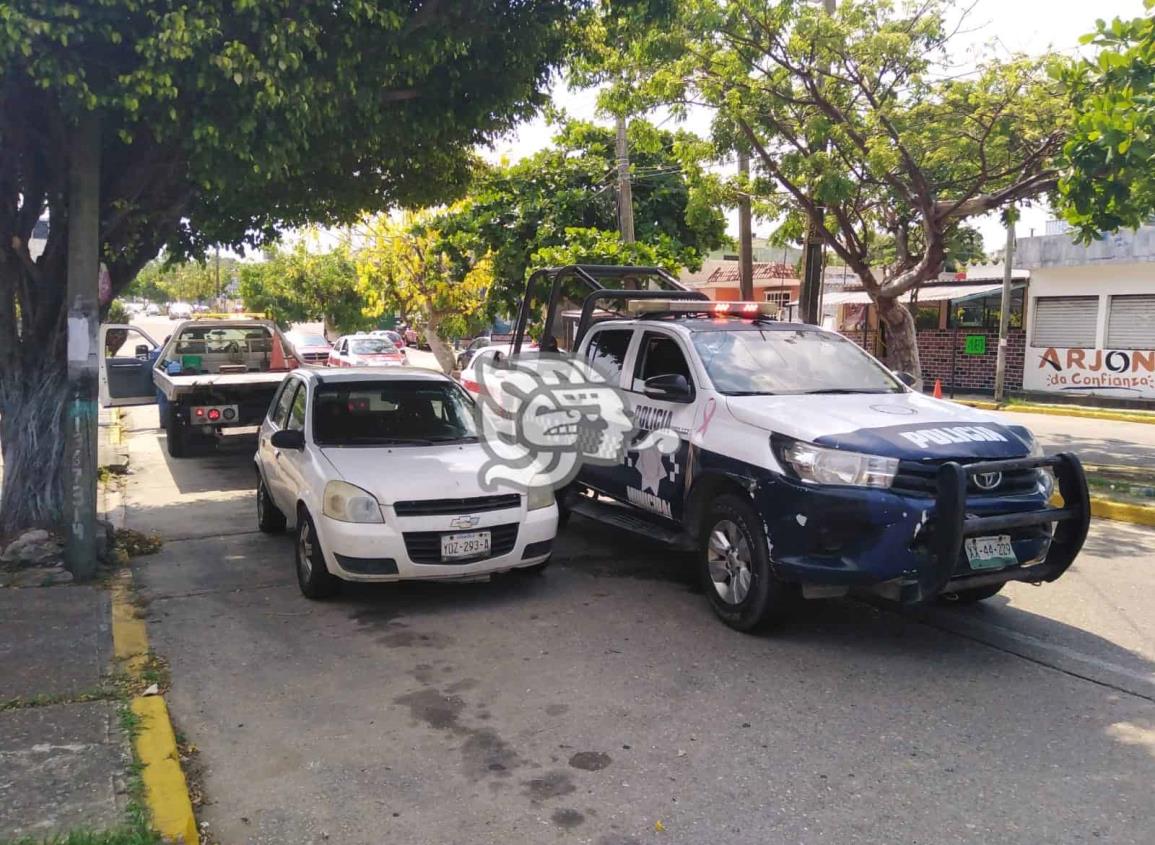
(408, 265)
(297, 285)
(519, 211)
(856, 124)
(1108, 182)
(224, 123)
(183, 281)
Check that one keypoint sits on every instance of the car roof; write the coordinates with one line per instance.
(326, 375)
(708, 324)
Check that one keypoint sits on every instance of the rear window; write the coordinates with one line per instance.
(367, 413)
(371, 346)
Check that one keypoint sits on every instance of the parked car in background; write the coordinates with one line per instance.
(396, 337)
(493, 353)
(466, 355)
(379, 472)
(363, 350)
(152, 310)
(180, 311)
(412, 337)
(311, 347)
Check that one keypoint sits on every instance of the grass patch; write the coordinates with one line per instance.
(129, 835)
(98, 694)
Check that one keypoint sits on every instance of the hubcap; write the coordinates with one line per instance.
(305, 550)
(729, 559)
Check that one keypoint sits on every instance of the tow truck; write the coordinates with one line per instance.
(208, 376)
(804, 465)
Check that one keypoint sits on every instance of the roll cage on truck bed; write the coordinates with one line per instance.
(580, 298)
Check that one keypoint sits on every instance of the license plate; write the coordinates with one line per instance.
(990, 552)
(473, 544)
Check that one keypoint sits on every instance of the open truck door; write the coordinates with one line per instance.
(127, 358)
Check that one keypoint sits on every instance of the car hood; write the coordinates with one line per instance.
(406, 473)
(900, 425)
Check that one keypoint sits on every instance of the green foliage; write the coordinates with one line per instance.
(597, 246)
(183, 281)
(517, 211)
(412, 267)
(117, 313)
(856, 124)
(1108, 182)
(296, 285)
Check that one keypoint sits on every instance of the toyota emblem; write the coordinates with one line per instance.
(988, 480)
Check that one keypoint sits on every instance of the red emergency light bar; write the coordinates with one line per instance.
(698, 306)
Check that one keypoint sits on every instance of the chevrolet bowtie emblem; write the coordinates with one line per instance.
(466, 521)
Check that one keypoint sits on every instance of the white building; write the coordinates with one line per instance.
(1091, 318)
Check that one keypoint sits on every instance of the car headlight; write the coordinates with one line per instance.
(1047, 481)
(346, 503)
(537, 498)
(819, 465)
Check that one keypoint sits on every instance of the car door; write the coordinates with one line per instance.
(607, 352)
(655, 481)
(291, 462)
(270, 457)
(127, 356)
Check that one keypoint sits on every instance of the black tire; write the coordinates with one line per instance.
(269, 517)
(165, 415)
(755, 597)
(971, 596)
(313, 577)
(177, 434)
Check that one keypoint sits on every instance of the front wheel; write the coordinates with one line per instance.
(313, 577)
(736, 574)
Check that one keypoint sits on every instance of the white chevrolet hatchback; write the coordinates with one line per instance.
(378, 471)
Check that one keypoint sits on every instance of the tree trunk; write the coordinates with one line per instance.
(441, 350)
(901, 340)
(33, 404)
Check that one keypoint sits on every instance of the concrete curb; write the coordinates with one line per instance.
(1122, 511)
(1061, 411)
(165, 788)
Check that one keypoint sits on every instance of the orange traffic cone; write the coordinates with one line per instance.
(938, 388)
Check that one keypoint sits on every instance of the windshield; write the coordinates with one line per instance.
(308, 340)
(789, 362)
(401, 413)
(371, 346)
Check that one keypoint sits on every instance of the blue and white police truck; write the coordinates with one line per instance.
(804, 465)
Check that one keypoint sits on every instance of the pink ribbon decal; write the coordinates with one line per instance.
(707, 415)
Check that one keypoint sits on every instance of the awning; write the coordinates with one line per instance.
(929, 293)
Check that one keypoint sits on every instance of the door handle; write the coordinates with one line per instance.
(277, 454)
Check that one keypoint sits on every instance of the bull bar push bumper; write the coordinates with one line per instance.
(954, 525)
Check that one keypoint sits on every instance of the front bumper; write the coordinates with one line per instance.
(386, 552)
(909, 547)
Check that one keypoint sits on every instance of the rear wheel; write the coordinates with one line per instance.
(736, 574)
(971, 596)
(177, 434)
(269, 516)
(313, 577)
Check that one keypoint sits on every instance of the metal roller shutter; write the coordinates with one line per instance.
(1067, 322)
(1131, 323)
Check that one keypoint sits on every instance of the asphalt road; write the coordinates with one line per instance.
(1102, 442)
(603, 703)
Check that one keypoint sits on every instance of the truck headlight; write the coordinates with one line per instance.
(346, 503)
(820, 465)
(537, 498)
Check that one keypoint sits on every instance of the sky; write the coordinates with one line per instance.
(1001, 26)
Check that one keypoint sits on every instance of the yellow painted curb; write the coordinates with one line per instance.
(1122, 511)
(165, 789)
(1062, 411)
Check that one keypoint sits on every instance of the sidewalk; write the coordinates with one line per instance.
(65, 723)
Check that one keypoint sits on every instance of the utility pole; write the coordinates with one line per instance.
(218, 303)
(810, 293)
(1005, 307)
(745, 237)
(625, 194)
(83, 345)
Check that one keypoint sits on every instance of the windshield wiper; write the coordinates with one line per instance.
(462, 438)
(749, 393)
(379, 441)
(832, 390)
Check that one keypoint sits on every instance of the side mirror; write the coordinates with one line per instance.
(906, 378)
(143, 350)
(288, 438)
(670, 388)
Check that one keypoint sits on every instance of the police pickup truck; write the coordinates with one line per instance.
(805, 465)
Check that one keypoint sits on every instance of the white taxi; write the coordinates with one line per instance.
(378, 470)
